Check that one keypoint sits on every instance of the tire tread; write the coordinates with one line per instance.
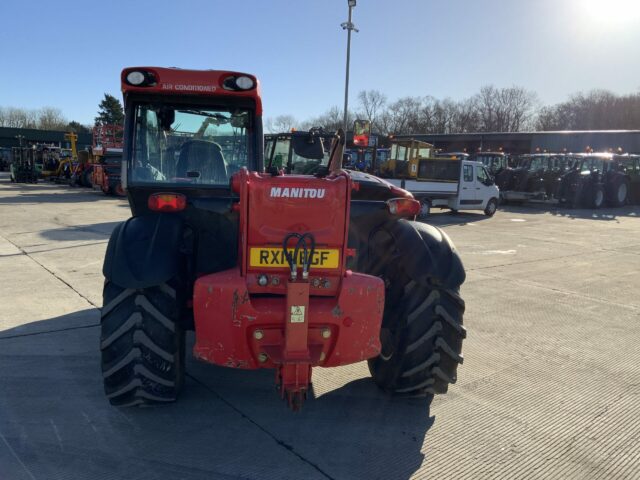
(142, 345)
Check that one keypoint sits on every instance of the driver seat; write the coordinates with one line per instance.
(204, 157)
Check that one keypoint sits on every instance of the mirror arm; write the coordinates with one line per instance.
(337, 151)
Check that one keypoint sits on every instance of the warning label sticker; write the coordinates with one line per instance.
(297, 313)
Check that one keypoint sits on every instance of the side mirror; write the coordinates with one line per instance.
(166, 117)
(308, 145)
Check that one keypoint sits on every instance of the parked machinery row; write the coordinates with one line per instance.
(95, 167)
(587, 180)
(449, 180)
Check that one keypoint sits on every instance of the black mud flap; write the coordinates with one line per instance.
(144, 251)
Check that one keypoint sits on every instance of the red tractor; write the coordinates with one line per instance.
(272, 270)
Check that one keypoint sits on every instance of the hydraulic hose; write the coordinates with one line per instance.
(292, 260)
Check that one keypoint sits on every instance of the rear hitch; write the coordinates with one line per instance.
(293, 374)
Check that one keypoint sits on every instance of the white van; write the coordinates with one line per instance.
(457, 184)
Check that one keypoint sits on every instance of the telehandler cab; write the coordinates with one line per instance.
(272, 270)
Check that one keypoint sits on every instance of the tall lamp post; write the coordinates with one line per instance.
(348, 26)
(20, 137)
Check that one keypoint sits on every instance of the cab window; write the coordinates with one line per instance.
(280, 153)
(424, 152)
(398, 152)
(179, 145)
(482, 175)
(468, 173)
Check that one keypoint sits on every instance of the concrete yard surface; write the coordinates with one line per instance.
(550, 385)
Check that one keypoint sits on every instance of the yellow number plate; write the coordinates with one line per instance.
(274, 257)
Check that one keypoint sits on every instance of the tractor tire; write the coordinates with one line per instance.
(142, 344)
(492, 206)
(422, 329)
(620, 193)
(85, 179)
(595, 198)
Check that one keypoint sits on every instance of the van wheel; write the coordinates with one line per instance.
(492, 206)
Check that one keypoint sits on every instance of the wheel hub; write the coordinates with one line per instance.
(599, 198)
(622, 193)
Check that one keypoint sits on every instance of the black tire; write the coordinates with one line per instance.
(86, 178)
(492, 206)
(595, 197)
(620, 193)
(142, 345)
(422, 329)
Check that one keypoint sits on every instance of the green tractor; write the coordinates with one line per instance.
(23, 166)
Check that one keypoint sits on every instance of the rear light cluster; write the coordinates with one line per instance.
(403, 207)
(167, 202)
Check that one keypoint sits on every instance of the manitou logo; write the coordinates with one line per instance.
(279, 192)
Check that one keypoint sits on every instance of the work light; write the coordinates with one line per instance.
(135, 78)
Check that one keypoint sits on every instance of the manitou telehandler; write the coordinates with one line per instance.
(272, 270)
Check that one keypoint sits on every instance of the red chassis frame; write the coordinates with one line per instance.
(331, 318)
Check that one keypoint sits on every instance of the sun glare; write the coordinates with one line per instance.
(611, 12)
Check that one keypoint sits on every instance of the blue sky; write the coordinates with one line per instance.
(66, 54)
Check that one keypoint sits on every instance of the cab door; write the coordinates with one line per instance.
(467, 193)
(485, 186)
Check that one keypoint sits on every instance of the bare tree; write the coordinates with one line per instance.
(280, 124)
(331, 120)
(595, 110)
(402, 116)
(17, 118)
(371, 103)
(505, 110)
(466, 118)
(50, 118)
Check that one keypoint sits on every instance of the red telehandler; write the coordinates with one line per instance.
(106, 160)
(271, 269)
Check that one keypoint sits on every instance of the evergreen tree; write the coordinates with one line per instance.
(110, 111)
(77, 127)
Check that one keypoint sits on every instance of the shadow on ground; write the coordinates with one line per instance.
(55, 421)
(93, 231)
(447, 218)
(607, 214)
(70, 196)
